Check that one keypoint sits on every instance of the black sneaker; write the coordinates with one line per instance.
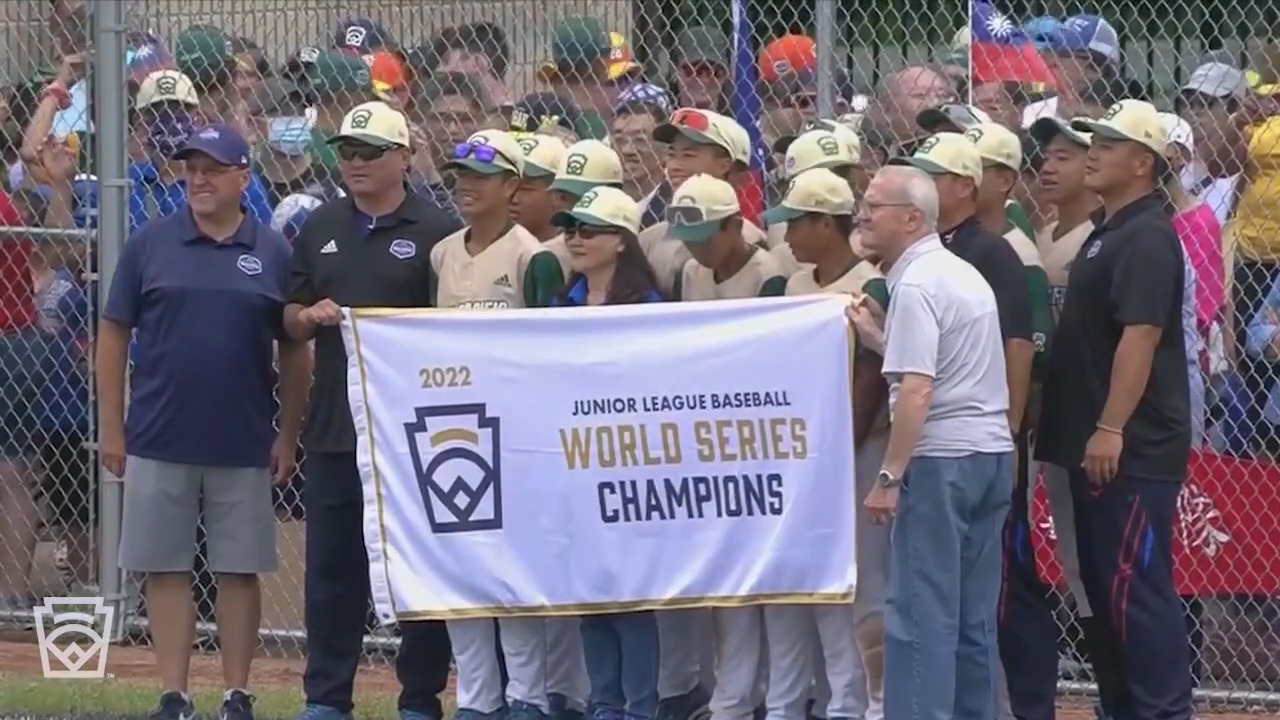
(173, 705)
(238, 705)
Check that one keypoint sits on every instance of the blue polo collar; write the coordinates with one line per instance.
(246, 235)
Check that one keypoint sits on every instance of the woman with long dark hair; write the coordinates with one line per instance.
(608, 266)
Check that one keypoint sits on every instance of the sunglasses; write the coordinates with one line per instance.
(685, 215)
(691, 119)
(589, 232)
(484, 153)
(360, 151)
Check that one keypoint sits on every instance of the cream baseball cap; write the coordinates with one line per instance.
(602, 206)
(946, 153)
(166, 86)
(697, 208)
(375, 123)
(587, 164)
(1047, 128)
(542, 154)
(705, 127)
(1178, 132)
(997, 145)
(821, 149)
(504, 154)
(1132, 120)
(813, 191)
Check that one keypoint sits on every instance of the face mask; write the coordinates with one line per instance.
(289, 135)
(166, 133)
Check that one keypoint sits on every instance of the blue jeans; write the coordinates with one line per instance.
(23, 365)
(621, 653)
(940, 647)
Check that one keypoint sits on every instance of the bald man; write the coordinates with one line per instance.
(902, 95)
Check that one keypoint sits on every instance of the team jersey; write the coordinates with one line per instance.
(760, 277)
(515, 271)
(668, 255)
(558, 248)
(1017, 216)
(1057, 256)
(1037, 293)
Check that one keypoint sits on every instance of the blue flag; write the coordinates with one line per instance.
(745, 107)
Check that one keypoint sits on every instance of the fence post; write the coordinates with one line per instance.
(113, 228)
(824, 20)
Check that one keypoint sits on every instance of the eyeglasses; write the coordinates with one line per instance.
(685, 215)
(691, 119)
(589, 232)
(360, 151)
(483, 153)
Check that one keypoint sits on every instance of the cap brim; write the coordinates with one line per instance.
(781, 144)
(933, 119)
(186, 152)
(474, 165)
(695, 233)
(924, 164)
(373, 140)
(574, 218)
(537, 171)
(1044, 130)
(618, 70)
(1103, 129)
(667, 133)
(780, 214)
(576, 188)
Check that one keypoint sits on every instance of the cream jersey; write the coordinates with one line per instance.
(668, 255)
(493, 279)
(1057, 256)
(760, 277)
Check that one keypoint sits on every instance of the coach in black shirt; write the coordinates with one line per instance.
(1116, 414)
(371, 248)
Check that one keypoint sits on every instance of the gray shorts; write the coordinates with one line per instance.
(162, 505)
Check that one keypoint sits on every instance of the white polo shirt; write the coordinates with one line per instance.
(942, 322)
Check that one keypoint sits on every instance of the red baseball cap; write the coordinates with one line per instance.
(787, 54)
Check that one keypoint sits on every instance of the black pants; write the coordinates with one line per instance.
(1250, 282)
(1028, 630)
(1124, 536)
(337, 599)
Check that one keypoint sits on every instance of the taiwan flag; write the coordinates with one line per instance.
(746, 109)
(999, 51)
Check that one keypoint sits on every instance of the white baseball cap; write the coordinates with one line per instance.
(602, 206)
(1133, 120)
(697, 208)
(813, 191)
(587, 164)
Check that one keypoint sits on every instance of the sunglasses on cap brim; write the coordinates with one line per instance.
(484, 153)
(687, 215)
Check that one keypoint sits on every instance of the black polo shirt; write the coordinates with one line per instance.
(345, 256)
(1128, 272)
(998, 263)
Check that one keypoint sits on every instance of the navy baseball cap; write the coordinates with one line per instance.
(1086, 33)
(360, 35)
(220, 142)
(541, 111)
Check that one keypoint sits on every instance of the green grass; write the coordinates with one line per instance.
(25, 695)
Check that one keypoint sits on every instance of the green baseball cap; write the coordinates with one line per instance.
(201, 50)
(579, 39)
(336, 73)
(701, 44)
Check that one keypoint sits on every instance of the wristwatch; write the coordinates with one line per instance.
(888, 480)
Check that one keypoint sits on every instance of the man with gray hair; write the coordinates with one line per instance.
(950, 445)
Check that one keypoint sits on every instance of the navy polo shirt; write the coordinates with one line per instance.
(205, 316)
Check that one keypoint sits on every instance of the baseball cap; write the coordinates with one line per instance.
(537, 112)
(813, 191)
(601, 207)
(997, 145)
(705, 127)
(273, 95)
(787, 54)
(818, 149)
(1044, 130)
(701, 44)
(575, 40)
(960, 115)
(166, 86)
(1178, 132)
(587, 164)
(387, 72)
(1217, 79)
(375, 123)
(504, 154)
(620, 60)
(945, 153)
(1132, 120)
(696, 209)
(201, 50)
(1040, 29)
(360, 35)
(1086, 33)
(542, 154)
(645, 94)
(220, 142)
(334, 73)
(841, 128)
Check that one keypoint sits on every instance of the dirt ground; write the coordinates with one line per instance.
(22, 657)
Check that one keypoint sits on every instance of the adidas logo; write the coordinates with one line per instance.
(329, 248)
(503, 281)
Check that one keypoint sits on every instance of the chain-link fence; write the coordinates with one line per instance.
(87, 162)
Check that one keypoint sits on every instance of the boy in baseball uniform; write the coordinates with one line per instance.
(818, 210)
(495, 264)
(534, 204)
(836, 150)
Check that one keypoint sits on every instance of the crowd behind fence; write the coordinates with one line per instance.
(458, 66)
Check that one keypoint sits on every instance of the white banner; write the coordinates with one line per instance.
(577, 460)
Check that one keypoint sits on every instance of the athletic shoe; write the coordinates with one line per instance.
(236, 705)
(173, 705)
(683, 707)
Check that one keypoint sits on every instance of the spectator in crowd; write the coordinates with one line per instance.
(818, 213)
(451, 106)
(1093, 97)
(1119, 421)
(546, 112)
(520, 272)
(702, 69)
(1003, 102)
(1083, 48)
(903, 95)
(278, 109)
(579, 69)
(789, 53)
(698, 142)
(834, 149)
(479, 49)
(632, 136)
(368, 249)
(624, 71)
(1212, 93)
(534, 206)
(1262, 344)
(205, 54)
(951, 117)
(950, 445)
(168, 443)
(337, 81)
(585, 164)
(248, 65)
(799, 90)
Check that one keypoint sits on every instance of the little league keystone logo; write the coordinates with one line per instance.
(71, 645)
(360, 119)
(575, 164)
(829, 146)
(167, 86)
(457, 457)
